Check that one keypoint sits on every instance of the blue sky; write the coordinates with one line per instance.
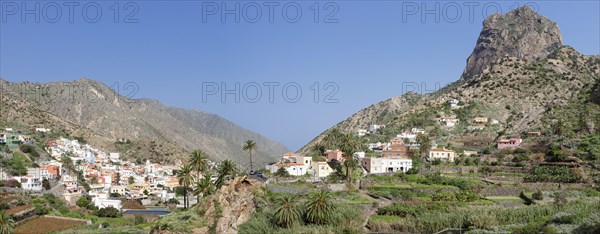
(367, 51)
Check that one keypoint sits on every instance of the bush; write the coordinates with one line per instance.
(467, 196)
(538, 195)
(412, 171)
(282, 172)
(139, 219)
(83, 201)
(109, 212)
(443, 196)
(4, 206)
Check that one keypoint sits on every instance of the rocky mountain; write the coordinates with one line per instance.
(148, 129)
(519, 73)
(521, 33)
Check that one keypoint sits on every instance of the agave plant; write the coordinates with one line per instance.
(7, 224)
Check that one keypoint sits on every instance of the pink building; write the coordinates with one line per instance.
(510, 143)
(334, 154)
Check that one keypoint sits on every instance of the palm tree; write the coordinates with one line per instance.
(250, 146)
(7, 224)
(186, 178)
(351, 164)
(559, 127)
(198, 161)
(425, 144)
(226, 168)
(332, 139)
(319, 207)
(204, 187)
(288, 212)
(318, 148)
(349, 144)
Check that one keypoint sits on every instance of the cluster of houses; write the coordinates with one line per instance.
(109, 178)
(396, 155)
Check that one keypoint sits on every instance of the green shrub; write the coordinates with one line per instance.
(538, 195)
(443, 196)
(109, 212)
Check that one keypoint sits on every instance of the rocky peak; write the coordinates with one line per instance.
(521, 33)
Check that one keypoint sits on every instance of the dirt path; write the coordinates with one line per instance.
(381, 202)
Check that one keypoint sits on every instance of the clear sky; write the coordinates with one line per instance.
(179, 51)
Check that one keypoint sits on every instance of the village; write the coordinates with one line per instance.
(397, 154)
(74, 172)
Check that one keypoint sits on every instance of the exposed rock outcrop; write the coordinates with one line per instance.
(231, 206)
(521, 33)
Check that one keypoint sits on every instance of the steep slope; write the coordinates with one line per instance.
(159, 132)
(518, 74)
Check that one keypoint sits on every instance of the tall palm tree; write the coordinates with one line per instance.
(204, 187)
(186, 179)
(226, 168)
(288, 212)
(349, 144)
(351, 164)
(425, 144)
(319, 207)
(250, 146)
(198, 161)
(7, 224)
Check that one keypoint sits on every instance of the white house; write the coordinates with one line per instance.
(295, 165)
(476, 127)
(411, 137)
(106, 202)
(8, 129)
(417, 131)
(442, 154)
(44, 130)
(115, 156)
(377, 145)
(449, 121)
(494, 121)
(453, 103)
(294, 169)
(32, 181)
(359, 155)
(374, 127)
(361, 132)
(387, 164)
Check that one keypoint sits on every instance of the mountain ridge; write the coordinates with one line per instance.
(95, 106)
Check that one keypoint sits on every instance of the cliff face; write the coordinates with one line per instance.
(231, 206)
(521, 33)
